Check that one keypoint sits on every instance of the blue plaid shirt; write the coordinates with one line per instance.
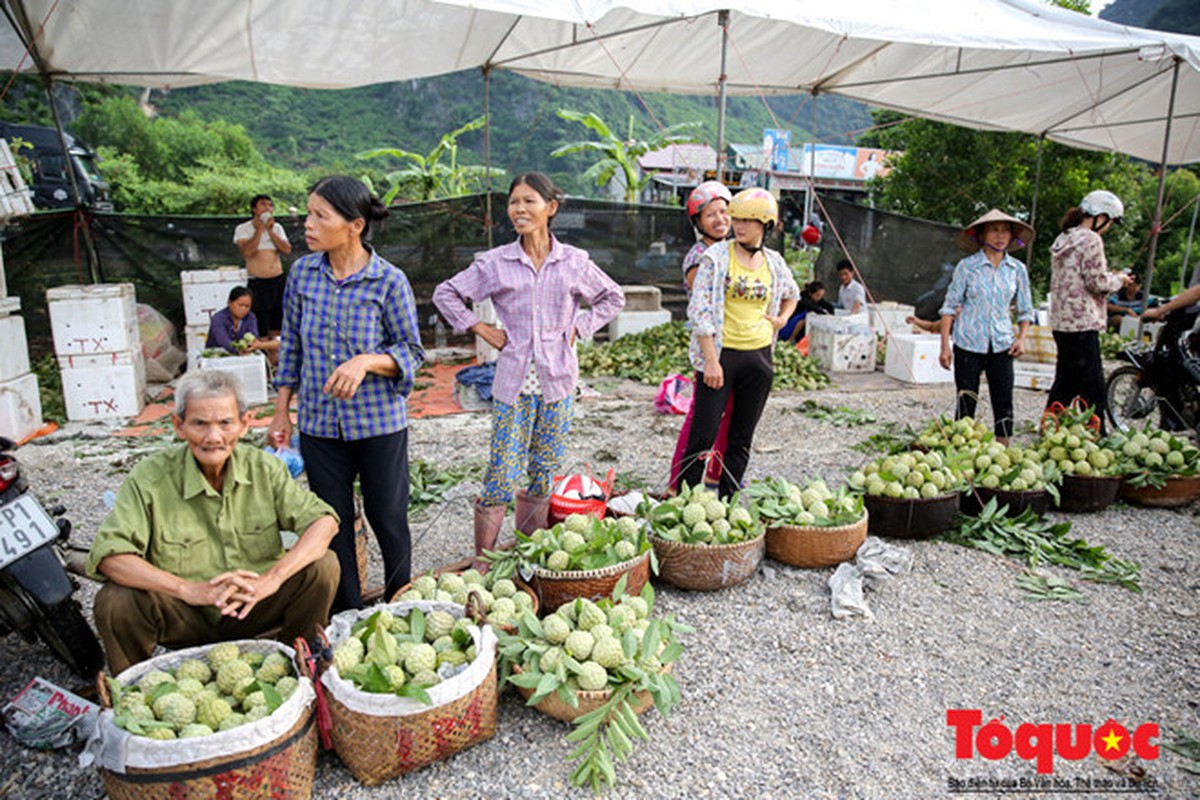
(326, 323)
(982, 295)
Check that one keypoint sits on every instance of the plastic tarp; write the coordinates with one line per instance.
(990, 64)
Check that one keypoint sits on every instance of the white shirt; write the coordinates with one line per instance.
(851, 293)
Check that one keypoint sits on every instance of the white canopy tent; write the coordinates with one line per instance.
(1012, 65)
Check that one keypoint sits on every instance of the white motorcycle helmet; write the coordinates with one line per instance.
(1103, 202)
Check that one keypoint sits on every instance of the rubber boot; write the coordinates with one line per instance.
(488, 520)
(533, 512)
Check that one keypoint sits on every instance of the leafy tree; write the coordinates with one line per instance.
(436, 174)
(617, 155)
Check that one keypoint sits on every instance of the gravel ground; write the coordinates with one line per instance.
(779, 699)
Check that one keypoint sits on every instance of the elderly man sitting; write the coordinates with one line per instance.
(191, 552)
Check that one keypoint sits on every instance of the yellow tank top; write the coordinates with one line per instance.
(747, 295)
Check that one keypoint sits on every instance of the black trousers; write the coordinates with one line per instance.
(381, 465)
(748, 375)
(968, 366)
(1079, 371)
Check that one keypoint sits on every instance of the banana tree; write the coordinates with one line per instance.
(619, 155)
(436, 174)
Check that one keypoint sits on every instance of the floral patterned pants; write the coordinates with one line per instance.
(531, 430)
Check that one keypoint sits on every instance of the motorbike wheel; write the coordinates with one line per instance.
(1127, 401)
(65, 631)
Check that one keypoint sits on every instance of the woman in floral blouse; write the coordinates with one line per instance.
(1079, 283)
(742, 296)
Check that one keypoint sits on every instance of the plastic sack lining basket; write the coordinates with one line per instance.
(462, 565)
(903, 518)
(555, 588)
(1081, 494)
(275, 757)
(707, 567)
(554, 706)
(814, 546)
(1037, 499)
(382, 736)
(1178, 491)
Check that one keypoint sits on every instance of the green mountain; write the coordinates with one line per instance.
(303, 128)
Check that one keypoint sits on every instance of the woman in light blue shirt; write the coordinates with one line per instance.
(978, 306)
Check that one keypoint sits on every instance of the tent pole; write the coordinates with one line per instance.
(1156, 225)
(93, 265)
(1187, 251)
(812, 165)
(1037, 185)
(723, 21)
(487, 153)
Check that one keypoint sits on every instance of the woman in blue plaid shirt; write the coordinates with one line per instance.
(349, 350)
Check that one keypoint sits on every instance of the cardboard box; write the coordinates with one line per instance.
(250, 369)
(1027, 375)
(20, 407)
(628, 322)
(913, 358)
(104, 386)
(206, 291)
(101, 318)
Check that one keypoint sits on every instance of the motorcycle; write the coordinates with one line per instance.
(1164, 377)
(36, 591)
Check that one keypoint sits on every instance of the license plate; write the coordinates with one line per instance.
(24, 527)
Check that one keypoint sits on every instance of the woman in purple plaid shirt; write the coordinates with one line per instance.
(536, 284)
(349, 350)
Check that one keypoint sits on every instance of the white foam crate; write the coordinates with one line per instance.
(913, 358)
(104, 386)
(889, 317)
(628, 322)
(251, 370)
(194, 337)
(1031, 375)
(9, 305)
(842, 352)
(20, 407)
(206, 291)
(14, 355)
(1149, 329)
(101, 318)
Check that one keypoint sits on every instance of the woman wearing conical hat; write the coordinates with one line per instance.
(978, 306)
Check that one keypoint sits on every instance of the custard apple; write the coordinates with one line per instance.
(592, 677)
(232, 673)
(194, 668)
(625, 550)
(607, 652)
(558, 560)
(220, 654)
(693, 515)
(556, 629)
(422, 658)
(577, 523)
(153, 679)
(579, 645)
(175, 708)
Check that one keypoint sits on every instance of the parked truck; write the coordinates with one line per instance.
(51, 183)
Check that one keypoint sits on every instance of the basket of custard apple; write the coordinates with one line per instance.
(582, 556)
(702, 542)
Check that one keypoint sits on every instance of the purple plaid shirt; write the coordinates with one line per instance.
(527, 299)
(326, 323)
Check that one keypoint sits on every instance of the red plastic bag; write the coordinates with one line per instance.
(674, 395)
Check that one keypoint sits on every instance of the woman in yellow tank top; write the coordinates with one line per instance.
(743, 294)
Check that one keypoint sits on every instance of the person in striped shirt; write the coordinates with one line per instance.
(978, 305)
(536, 285)
(349, 351)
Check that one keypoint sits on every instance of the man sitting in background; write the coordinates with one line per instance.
(851, 294)
(191, 552)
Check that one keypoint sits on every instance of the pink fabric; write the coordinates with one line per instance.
(1079, 281)
(674, 395)
(713, 475)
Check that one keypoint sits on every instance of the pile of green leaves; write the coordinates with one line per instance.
(794, 370)
(1150, 456)
(1035, 540)
(603, 736)
(428, 484)
(840, 417)
(778, 501)
(578, 543)
(1112, 345)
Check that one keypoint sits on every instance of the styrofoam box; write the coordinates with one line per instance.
(9, 305)
(206, 291)
(251, 369)
(842, 352)
(14, 355)
(104, 386)
(194, 338)
(642, 298)
(1151, 329)
(20, 407)
(913, 358)
(486, 312)
(1027, 375)
(628, 322)
(889, 317)
(101, 318)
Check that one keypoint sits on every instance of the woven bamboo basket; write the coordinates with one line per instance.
(972, 503)
(812, 546)
(1178, 491)
(922, 518)
(554, 706)
(707, 567)
(281, 767)
(1080, 494)
(556, 588)
(380, 737)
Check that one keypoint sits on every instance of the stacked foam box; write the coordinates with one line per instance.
(913, 358)
(643, 309)
(99, 350)
(251, 369)
(888, 317)
(842, 343)
(205, 292)
(20, 403)
(1150, 330)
